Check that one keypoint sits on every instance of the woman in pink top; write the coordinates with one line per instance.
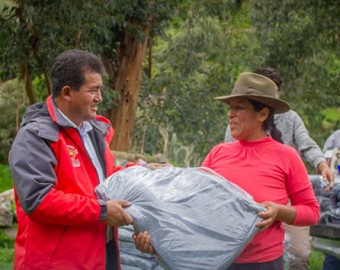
(273, 173)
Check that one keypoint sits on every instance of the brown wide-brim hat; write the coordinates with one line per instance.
(259, 88)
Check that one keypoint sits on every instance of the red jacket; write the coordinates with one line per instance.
(57, 210)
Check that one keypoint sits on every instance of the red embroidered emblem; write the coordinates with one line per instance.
(73, 152)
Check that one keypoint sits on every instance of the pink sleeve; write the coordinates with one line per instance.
(301, 193)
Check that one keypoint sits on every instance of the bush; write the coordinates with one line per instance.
(13, 103)
(316, 260)
(6, 179)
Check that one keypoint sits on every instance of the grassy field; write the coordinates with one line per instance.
(6, 250)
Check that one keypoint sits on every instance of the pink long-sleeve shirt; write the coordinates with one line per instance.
(268, 171)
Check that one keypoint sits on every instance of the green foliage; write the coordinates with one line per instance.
(205, 50)
(12, 106)
(198, 60)
(6, 250)
(5, 241)
(332, 115)
(207, 44)
(6, 178)
(39, 84)
(316, 260)
(35, 32)
(300, 39)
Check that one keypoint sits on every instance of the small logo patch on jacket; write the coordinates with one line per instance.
(73, 154)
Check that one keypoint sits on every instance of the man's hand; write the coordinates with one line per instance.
(116, 215)
(155, 166)
(152, 165)
(143, 242)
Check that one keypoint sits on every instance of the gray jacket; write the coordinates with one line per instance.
(295, 134)
(332, 141)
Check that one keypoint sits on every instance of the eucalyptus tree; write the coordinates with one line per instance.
(209, 45)
(33, 32)
(200, 57)
(301, 39)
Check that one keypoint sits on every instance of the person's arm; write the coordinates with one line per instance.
(305, 145)
(300, 191)
(32, 165)
(283, 213)
(304, 209)
(308, 148)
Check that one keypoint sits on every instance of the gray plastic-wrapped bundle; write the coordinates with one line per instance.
(326, 234)
(196, 219)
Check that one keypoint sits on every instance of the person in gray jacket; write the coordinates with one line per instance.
(295, 134)
(331, 262)
(332, 141)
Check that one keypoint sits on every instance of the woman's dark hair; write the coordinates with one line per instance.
(269, 123)
(69, 68)
(271, 74)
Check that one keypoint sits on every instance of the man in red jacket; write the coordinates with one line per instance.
(60, 154)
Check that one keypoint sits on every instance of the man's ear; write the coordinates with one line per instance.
(65, 93)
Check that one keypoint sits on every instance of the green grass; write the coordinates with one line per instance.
(5, 178)
(316, 260)
(6, 251)
(6, 243)
(6, 258)
(332, 114)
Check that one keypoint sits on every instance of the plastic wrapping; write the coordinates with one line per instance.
(329, 201)
(326, 234)
(196, 219)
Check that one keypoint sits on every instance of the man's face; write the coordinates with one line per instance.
(84, 102)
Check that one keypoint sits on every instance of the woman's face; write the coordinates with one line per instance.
(245, 123)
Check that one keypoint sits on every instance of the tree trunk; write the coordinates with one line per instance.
(24, 65)
(26, 74)
(127, 81)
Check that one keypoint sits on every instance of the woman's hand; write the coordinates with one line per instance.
(284, 213)
(143, 242)
(269, 216)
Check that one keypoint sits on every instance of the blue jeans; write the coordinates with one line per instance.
(331, 263)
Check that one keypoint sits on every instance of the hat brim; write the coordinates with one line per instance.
(278, 105)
